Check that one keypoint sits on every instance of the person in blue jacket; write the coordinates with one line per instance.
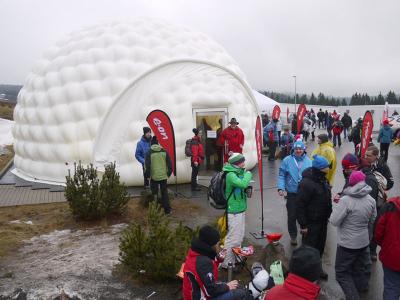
(290, 174)
(142, 147)
(385, 138)
(271, 137)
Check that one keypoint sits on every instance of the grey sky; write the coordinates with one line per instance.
(334, 46)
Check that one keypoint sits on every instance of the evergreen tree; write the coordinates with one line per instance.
(391, 98)
(380, 100)
(321, 99)
(344, 102)
(313, 99)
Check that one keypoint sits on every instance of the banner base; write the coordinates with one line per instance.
(258, 235)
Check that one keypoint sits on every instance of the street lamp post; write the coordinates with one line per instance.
(295, 93)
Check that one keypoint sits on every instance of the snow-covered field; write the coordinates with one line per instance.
(6, 137)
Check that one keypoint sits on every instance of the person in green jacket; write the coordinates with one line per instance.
(158, 168)
(237, 181)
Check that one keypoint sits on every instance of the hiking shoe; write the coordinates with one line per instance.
(293, 241)
(374, 257)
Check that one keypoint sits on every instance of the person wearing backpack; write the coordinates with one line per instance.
(290, 174)
(237, 182)
(337, 130)
(158, 168)
(197, 157)
(271, 137)
(142, 147)
(385, 137)
(355, 135)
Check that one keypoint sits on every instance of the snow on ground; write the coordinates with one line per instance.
(79, 262)
(6, 137)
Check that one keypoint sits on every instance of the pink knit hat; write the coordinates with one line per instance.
(356, 177)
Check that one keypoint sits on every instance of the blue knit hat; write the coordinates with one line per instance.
(319, 162)
(299, 144)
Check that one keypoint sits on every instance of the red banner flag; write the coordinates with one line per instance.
(301, 111)
(276, 113)
(287, 115)
(367, 126)
(162, 128)
(259, 144)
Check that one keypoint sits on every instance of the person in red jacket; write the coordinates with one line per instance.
(231, 139)
(305, 268)
(337, 131)
(387, 235)
(200, 272)
(197, 157)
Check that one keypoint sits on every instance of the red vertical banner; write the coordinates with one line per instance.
(259, 144)
(276, 113)
(367, 126)
(301, 111)
(385, 114)
(162, 128)
(287, 115)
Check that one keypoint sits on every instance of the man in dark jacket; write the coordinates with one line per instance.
(314, 206)
(355, 135)
(321, 117)
(379, 165)
(158, 168)
(387, 236)
(200, 273)
(142, 147)
(347, 123)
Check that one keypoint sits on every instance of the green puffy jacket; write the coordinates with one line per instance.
(237, 180)
(158, 164)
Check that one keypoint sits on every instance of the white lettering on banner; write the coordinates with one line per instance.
(160, 128)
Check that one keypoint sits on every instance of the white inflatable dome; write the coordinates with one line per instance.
(88, 97)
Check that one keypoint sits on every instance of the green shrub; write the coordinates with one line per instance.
(90, 198)
(155, 250)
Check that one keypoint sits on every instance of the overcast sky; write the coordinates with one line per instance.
(334, 46)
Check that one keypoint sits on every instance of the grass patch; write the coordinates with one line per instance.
(4, 159)
(57, 216)
(7, 111)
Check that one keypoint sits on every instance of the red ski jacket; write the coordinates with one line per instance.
(197, 150)
(294, 288)
(234, 139)
(387, 234)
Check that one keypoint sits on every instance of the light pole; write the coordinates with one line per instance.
(295, 93)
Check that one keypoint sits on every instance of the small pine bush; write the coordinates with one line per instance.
(155, 248)
(90, 198)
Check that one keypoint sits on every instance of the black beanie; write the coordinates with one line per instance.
(146, 130)
(195, 131)
(154, 141)
(306, 263)
(323, 137)
(209, 235)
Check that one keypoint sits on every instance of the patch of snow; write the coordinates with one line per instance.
(6, 137)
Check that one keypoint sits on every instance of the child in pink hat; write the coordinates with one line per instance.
(356, 177)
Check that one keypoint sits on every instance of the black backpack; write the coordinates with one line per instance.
(216, 191)
(188, 147)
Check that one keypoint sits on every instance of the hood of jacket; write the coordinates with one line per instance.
(387, 128)
(198, 247)
(314, 174)
(327, 144)
(358, 190)
(231, 168)
(144, 140)
(156, 148)
(396, 202)
(301, 287)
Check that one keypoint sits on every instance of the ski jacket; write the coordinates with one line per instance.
(321, 115)
(142, 147)
(354, 216)
(355, 135)
(337, 129)
(158, 164)
(381, 166)
(271, 127)
(385, 135)
(387, 234)
(200, 273)
(290, 172)
(197, 150)
(347, 121)
(238, 180)
(313, 203)
(294, 288)
(234, 139)
(326, 150)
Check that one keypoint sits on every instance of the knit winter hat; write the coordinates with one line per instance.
(319, 162)
(209, 235)
(306, 263)
(323, 137)
(236, 159)
(386, 122)
(356, 177)
(195, 131)
(299, 144)
(146, 129)
(350, 161)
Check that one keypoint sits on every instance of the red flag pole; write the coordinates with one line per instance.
(162, 127)
(259, 143)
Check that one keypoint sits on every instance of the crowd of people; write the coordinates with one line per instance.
(363, 215)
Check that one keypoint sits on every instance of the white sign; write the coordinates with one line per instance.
(211, 134)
